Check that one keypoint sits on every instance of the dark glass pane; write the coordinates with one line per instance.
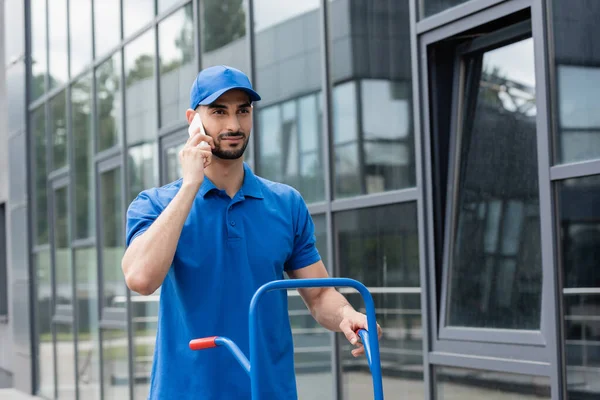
(38, 132)
(140, 93)
(379, 247)
(107, 25)
(577, 58)
(288, 77)
(495, 274)
(430, 7)
(80, 25)
(58, 55)
(39, 66)
(112, 238)
(174, 171)
(136, 14)
(45, 348)
(62, 255)
(65, 362)
(81, 112)
(115, 364)
(58, 120)
(177, 64)
(580, 240)
(224, 39)
(372, 97)
(141, 165)
(470, 384)
(108, 102)
(86, 268)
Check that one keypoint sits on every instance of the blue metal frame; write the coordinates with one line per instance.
(370, 342)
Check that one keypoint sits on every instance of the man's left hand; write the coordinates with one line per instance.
(351, 322)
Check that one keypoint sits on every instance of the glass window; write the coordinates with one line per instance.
(65, 361)
(224, 39)
(372, 116)
(173, 166)
(39, 62)
(62, 255)
(430, 7)
(177, 64)
(164, 5)
(38, 132)
(136, 14)
(81, 113)
(14, 22)
(140, 121)
(470, 384)
(58, 110)
(313, 347)
(577, 59)
(86, 268)
(495, 268)
(107, 26)
(44, 312)
(113, 243)
(108, 102)
(580, 240)
(142, 169)
(379, 247)
(58, 55)
(115, 357)
(80, 25)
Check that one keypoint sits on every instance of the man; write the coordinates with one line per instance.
(211, 239)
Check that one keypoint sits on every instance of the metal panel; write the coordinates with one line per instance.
(18, 241)
(575, 170)
(452, 14)
(17, 168)
(21, 323)
(497, 364)
(379, 199)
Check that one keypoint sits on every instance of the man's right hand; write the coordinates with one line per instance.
(195, 158)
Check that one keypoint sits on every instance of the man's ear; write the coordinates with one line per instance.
(189, 115)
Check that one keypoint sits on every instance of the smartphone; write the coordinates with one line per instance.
(197, 122)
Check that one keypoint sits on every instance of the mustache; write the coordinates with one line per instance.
(231, 135)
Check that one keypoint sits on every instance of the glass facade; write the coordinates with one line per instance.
(446, 165)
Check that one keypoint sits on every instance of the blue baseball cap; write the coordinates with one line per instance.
(212, 82)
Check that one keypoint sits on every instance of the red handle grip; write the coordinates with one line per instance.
(203, 343)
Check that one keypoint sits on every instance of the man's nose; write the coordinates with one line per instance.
(233, 124)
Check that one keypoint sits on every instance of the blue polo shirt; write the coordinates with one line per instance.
(228, 248)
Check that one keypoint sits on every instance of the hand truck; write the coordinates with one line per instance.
(370, 342)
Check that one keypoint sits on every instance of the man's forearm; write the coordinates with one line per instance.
(148, 259)
(330, 308)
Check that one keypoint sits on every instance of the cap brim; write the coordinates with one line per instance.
(213, 97)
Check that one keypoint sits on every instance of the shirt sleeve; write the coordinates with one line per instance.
(142, 212)
(305, 251)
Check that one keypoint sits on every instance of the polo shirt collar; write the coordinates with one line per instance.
(250, 187)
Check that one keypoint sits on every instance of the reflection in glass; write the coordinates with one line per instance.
(58, 118)
(108, 102)
(177, 64)
(142, 169)
(580, 241)
(58, 54)
(577, 60)
(140, 121)
(223, 36)
(290, 146)
(112, 238)
(469, 384)
(43, 312)
(430, 7)
(379, 247)
(107, 25)
(88, 357)
(136, 14)
(80, 26)
(65, 362)
(312, 343)
(38, 132)
(39, 64)
(115, 362)
(174, 170)
(62, 255)
(81, 114)
(495, 262)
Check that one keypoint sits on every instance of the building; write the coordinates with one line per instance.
(449, 151)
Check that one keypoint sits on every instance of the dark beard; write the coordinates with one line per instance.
(230, 154)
